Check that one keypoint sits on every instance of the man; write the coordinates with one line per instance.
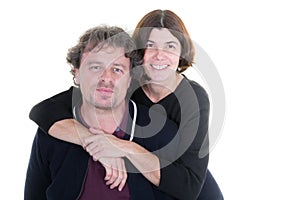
(60, 170)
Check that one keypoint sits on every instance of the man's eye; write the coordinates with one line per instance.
(117, 70)
(95, 68)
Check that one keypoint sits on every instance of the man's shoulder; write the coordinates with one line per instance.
(45, 140)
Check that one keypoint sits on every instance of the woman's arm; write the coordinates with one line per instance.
(190, 168)
(69, 130)
(53, 109)
(190, 172)
(54, 116)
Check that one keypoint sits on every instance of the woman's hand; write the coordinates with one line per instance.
(101, 145)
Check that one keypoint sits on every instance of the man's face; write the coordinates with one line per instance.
(104, 77)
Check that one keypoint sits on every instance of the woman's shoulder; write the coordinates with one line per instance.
(156, 116)
(188, 84)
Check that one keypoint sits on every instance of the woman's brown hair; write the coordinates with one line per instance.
(165, 19)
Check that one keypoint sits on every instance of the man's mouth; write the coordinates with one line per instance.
(105, 90)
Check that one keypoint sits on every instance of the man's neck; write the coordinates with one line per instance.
(104, 119)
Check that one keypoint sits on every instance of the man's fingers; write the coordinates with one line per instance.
(116, 175)
(108, 171)
(123, 182)
(113, 179)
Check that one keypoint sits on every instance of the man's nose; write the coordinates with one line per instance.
(105, 74)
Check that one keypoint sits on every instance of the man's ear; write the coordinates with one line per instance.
(76, 76)
(129, 82)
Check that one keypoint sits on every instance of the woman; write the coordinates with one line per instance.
(167, 50)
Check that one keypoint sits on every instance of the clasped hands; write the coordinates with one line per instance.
(106, 148)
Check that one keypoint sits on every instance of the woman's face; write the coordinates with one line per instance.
(162, 55)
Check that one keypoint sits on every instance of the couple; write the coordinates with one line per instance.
(155, 136)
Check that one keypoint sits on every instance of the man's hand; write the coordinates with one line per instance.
(101, 146)
(116, 174)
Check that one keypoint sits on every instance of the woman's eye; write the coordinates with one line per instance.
(149, 45)
(171, 46)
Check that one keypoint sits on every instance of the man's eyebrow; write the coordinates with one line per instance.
(119, 65)
(94, 62)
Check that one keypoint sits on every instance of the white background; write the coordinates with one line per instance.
(254, 45)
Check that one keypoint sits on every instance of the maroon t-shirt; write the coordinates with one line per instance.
(94, 186)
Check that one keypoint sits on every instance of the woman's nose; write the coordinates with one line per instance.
(160, 53)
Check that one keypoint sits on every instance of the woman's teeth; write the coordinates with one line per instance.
(159, 66)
